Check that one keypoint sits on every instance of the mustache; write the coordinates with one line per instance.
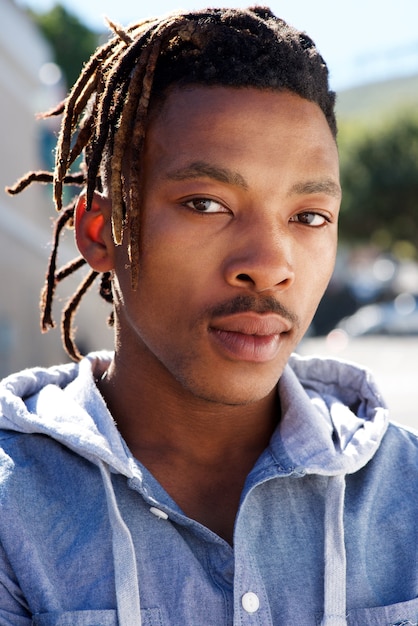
(254, 304)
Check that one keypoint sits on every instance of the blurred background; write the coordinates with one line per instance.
(370, 311)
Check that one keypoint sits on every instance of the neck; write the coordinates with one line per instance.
(201, 452)
(163, 418)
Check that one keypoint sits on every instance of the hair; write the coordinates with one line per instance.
(105, 115)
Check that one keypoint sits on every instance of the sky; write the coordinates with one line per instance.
(361, 40)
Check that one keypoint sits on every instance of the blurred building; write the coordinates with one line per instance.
(29, 84)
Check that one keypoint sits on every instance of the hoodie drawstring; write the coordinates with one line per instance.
(335, 557)
(124, 559)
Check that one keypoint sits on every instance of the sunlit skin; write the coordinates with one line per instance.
(239, 230)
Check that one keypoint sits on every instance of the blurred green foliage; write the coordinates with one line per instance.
(379, 176)
(71, 40)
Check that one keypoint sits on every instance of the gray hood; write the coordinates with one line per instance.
(333, 416)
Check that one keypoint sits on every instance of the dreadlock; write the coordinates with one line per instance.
(105, 115)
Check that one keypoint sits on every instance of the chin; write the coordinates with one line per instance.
(232, 393)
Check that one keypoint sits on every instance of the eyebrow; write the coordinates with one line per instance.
(326, 186)
(199, 169)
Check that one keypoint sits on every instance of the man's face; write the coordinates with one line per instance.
(238, 240)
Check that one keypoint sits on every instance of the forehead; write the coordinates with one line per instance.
(197, 99)
(248, 127)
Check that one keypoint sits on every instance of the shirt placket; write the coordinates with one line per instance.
(251, 606)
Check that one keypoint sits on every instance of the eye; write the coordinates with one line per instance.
(205, 205)
(310, 218)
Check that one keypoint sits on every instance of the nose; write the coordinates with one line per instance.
(261, 260)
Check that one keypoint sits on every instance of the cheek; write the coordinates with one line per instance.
(326, 263)
(178, 256)
(323, 267)
(168, 278)
(315, 273)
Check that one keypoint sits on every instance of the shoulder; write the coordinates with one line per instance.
(393, 470)
(400, 445)
(32, 464)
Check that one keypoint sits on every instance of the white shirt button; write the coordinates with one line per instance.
(158, 513)
(250, 602)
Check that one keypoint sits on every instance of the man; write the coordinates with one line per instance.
(202, 475)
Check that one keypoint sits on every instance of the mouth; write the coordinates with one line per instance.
(250, 337)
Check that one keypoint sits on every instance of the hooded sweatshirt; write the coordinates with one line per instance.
(326, 532)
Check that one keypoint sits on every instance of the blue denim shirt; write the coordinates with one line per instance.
(326, 530)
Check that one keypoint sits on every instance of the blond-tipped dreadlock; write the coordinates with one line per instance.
(105, 115)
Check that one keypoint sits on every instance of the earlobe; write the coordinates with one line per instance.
(93, 233)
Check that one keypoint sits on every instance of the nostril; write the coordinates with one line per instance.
(244, 277)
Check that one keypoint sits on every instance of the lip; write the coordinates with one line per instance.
(249, 337)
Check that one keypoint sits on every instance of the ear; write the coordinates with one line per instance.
(93, 233)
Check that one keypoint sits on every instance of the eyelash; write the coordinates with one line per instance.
(315, 214)
(190, 204)
(202, 199)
